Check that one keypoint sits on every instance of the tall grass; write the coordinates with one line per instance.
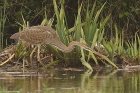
(89, 30)
(115, 45)
(2, 23)
(133, 50)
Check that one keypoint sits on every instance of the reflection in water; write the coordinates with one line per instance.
(71, 82)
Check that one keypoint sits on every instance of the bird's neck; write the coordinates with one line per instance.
(60, 46)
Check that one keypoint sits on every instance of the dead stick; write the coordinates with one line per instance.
(7, 60)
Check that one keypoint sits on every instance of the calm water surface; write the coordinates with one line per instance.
(70, 82)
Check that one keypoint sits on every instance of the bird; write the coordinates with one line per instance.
(41, 35)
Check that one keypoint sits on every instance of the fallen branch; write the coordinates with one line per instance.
(7, 60)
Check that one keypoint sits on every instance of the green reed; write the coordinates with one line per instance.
(133, 47)
(89, 30)
(115, 46)
(2, 23)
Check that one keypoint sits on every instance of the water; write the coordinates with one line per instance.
(122, 81)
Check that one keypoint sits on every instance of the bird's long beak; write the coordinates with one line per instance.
(86, 47)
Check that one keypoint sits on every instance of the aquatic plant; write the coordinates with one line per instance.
(90, 31)
(133, 47)
(2, 23)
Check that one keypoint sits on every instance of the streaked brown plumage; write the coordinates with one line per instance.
(38, 35)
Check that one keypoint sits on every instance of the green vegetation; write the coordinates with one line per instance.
(92, 26)
(2, 23)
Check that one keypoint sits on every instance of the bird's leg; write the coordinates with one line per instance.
(38, 52)
(38, 56)
(31, 56)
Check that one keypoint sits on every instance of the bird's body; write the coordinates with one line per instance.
(39, 35)
(36, 35)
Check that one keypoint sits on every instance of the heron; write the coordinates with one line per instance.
(40, 35)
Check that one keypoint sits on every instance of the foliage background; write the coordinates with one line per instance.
(124, 13)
